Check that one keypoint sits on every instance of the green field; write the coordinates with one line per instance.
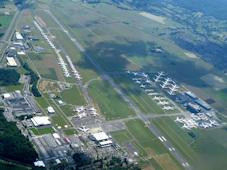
(121, 136)
(42, 102)
(13, 88)
(70, 131)
(46, 130)
(59, 121)
(149, 162)
(110, 104)
(34, 131)
(73, 96)
(68, 111)
(137, 95)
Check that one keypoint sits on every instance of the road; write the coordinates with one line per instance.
(139, 113)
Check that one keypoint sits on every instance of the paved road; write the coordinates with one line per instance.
(139, 113)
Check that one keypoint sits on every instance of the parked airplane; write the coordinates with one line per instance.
(94, 113)
(138, 82)
(92, 109)
(128, 72)
(83, 129)
(148, 81)
(142, 86)
(163, 102)
(144, 75)
(156, 98)
(158, 76)
(165, 83)
(80, 109)
(168, 108)
(135, 73)
(152, 94)
(148, 90)
(81, 115)
(180, 120)
(173, 89)
(186, 127)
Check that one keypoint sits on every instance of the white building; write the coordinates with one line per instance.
(102, 139)
(39, 164)
(60, 102)
(18, 36)
(40, 120)
(50, 110)
(11, 62)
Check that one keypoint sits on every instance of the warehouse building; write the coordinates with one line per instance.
(102, 139)
(18, 36)
(40, 121)
(50, 110)
(11, 62)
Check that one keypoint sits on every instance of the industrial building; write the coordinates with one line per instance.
(203, 104)
(11, 62)
(50, 110)
(18, 36)
(33, 38)
(194, 108)
(192, 95)
(40, 121)
(102, 139)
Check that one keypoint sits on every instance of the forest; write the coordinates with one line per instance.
(13, 145)
(9, 77)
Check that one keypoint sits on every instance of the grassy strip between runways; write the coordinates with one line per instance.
(46, 130)
(70, 131)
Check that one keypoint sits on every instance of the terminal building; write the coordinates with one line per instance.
(102, 139)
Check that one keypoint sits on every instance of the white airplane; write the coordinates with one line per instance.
(156, 98)
(165, 83)
(168, 108)
(152, 94)
(136, 78)
(214, 122)
(144, 75)
(203, 125)
(92, 109)
(158, 76)
(180, 120)
(173, 89)
(81, 115)
(83, 129)
(163, 102)
(80, 109)
(94, 113)
(186, 127)
(148, 90)
(128, 72)
(142, 86)
(148, 81)
(135, 73)
(138, 82)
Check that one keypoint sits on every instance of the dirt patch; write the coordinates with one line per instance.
(150, 167)
(190, 55)
(216, 82)
(48, 86)
(158, 19)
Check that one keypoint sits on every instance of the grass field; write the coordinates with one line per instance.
(73, 96)
(42, 102)
(13, 88)
(110, 104)
(67, 110)
(137, 95)
(34, 131)
(152, 162)
(121, 136)
(176, 136)
(46, 130)
(70, 131)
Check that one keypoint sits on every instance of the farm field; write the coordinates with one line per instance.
(137, 95)
(150, 142)
(110, 104)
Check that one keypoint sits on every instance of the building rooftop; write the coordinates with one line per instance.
(40, 120)
(50, 109)
(11, 61)
(18, 36)
(100, 136)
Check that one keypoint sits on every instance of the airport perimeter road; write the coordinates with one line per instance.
(139, 114)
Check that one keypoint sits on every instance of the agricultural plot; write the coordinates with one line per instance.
(73, 96)
(110, 104)
(137, 95)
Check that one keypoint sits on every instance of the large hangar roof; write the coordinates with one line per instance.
(100, 136)
(40, 120)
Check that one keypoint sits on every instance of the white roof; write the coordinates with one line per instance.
(39, 163)
(18, 43)
(19, 36)
(56, 136)
(21, 53)
(11, 61)
(106, 142)
(50, 109)
(40, 120)
(6, 95)
(57, 161)
(12, 48)
(100, 136)
(60, 101)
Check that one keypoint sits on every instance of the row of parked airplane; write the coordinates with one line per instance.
(81, 112)
(64, 67)
(168, 108)
(75, 72)
(44, 35)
